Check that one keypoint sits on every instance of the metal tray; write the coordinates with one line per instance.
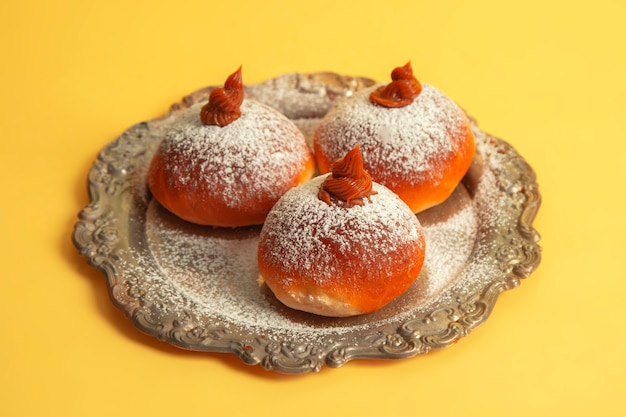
(195, 287)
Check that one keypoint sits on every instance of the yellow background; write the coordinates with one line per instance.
(547, 76)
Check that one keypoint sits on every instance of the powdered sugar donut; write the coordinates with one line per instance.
(336, 257)
(420, 148)
(231, 172)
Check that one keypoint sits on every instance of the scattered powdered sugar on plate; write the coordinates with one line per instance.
(179, 269)
(307, 127)
(212, 273)
(449, 246)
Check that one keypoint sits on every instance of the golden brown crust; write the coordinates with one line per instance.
(420, 151)
(205, 209)
(229, 176)
(338, 261)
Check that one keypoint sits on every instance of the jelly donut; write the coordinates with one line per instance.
(226, 163)
(340, 245)
(415, 140)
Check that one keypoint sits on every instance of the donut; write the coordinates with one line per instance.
(415, 140)
(226, 162)
(340, 245)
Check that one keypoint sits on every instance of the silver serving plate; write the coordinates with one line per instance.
(195, 287)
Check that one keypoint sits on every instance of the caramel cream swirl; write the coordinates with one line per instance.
(224, 103)
(348, 184)
(401, 91)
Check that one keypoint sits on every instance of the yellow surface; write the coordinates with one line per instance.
(547, 76)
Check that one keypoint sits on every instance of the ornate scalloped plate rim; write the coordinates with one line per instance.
(96, 236)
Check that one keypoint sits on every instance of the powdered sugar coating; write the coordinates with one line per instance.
(302, 229)
(253, 159)
(406, 144)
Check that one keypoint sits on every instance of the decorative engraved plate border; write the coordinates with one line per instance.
(104, 233)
